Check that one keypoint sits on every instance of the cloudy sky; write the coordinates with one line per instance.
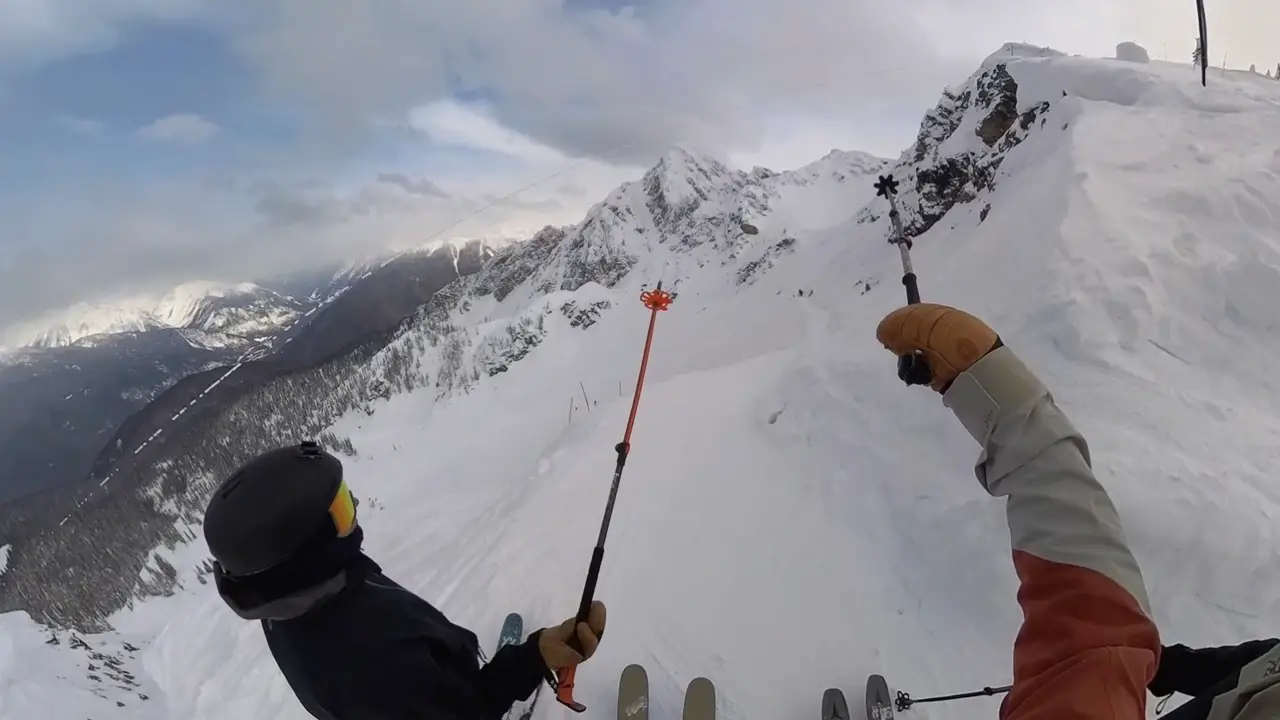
(144, 143)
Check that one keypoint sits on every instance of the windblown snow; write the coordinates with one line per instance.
(792, 517)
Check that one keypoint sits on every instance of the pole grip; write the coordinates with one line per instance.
(565, 676)
(564, 689)
(913, 369)
(589, 590)
(913, 289)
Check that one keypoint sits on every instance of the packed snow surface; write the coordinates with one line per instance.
(792, 517)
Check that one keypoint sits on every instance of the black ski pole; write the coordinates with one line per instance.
(905, 701)
(912, 369)
(656, 300)
(1204, 44)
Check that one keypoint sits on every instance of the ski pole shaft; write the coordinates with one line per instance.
(887, 188)
(909, 276)
(912, 369)
(905, 701)
(904, 249)
(656, 300)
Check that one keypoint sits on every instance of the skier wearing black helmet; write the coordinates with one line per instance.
(353, 644)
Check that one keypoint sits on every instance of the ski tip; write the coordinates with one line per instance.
(702, 686)
(700, 700)
(878, 701)
(834, 706)
(701, 689)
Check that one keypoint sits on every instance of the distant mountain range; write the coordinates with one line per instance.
(226, 313)
(79, 376)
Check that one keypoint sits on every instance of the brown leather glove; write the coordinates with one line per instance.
(553, 643)
(951, 340)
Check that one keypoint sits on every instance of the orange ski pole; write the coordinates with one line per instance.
(656, 300)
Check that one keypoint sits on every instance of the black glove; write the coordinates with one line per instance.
(1196, 671)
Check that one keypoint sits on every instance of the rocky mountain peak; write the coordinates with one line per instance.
(964, 139)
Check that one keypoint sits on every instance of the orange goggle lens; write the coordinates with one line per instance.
(343, 511)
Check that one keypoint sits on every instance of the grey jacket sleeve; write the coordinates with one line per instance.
(1087, 646)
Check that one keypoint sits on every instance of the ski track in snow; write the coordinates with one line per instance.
(792, 517)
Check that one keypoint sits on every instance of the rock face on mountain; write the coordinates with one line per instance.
(689, 204)
(963, 141)
(253, 314)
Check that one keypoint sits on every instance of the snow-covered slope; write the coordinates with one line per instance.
(341, 279)
(99, 675)
(792, 517)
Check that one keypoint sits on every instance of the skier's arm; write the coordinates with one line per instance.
(511, 675)
(406, 682)
(1087, 646)
(1196, 671)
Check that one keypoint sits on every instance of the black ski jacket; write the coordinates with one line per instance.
(372, 650)
(1206, 674)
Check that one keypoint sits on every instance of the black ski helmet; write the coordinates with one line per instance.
(271, 507)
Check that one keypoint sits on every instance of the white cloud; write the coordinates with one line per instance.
(36, 32)
(413, 186)
(451, 123)
(628, 83)
(182, 128)
(149, 237)
(622, 85)
(266, 211)
(81, 126)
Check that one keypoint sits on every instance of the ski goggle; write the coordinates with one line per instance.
(343, 510)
